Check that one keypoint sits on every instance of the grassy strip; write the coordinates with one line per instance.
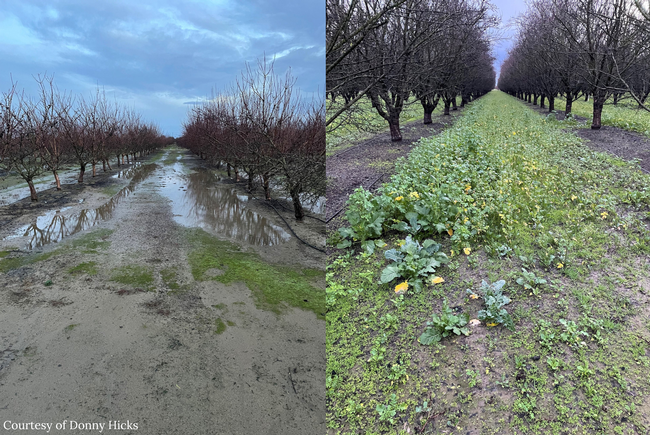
(625, 116)
(502, 190)
(364, 121)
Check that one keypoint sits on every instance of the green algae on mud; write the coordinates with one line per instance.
(16, 262)
(136, 276)
(88, 244)
(221, 326)
(87, 267)
(273, 286)
(93, 241)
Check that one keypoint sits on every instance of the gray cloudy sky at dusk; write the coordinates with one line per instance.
(156, 56)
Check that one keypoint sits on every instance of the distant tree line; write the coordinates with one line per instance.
(53, 130)
(391, 50)
(261, 127)
(598, 49)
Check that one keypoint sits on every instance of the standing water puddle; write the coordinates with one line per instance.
(53, 226)
(199, 200)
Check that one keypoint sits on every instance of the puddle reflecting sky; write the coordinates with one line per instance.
(198, 200)
(53, 226)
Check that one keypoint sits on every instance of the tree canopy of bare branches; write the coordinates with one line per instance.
(261, 126)
(55, 129)
(430, 49)
(600, 48)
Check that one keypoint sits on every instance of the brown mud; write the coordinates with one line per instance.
(109, 322)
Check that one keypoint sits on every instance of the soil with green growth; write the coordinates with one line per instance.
(565, 227)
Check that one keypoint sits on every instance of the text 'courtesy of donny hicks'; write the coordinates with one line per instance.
(69, 426)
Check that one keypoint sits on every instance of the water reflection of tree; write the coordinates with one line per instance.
(60, 226)
(221, 210)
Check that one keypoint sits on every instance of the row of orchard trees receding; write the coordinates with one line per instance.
(54, 130)
(573, 48)
(391, 50)
(261, 127)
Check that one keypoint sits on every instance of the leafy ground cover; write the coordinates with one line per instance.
(623, 115)
(546, 249)
(363, 121)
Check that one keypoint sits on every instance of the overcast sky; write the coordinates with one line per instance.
(508, 10)
(158, 55)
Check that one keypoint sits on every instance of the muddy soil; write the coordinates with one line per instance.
(172, 355)
(371, 162)
(627, 145)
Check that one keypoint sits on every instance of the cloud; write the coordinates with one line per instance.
(158, 56)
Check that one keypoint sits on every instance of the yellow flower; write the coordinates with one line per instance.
(604, 215)
(573, 197)
(401, 288)
(399, 198)
(450, 232)
(491, 324)
(437, 280)
(467, 188)
(467, 251)
(473, 296)
(514, 133)
(560, 265)
(414, 195)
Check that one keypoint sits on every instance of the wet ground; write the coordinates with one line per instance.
(144, 306)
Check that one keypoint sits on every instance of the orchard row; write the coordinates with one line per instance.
(262, 128)
(54, 130)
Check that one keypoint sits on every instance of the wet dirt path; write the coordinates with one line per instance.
(161, 349)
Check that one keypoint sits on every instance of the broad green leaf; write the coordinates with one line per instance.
(389, 273)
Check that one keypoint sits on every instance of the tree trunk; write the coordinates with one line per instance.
(551, 104)
(94, 172)
(228, 166)
(569, 104)
(118, 160)
(265, 183)
(109, 165)
(236, 175)
(541, 102)
(58, 181)
(32, 190)
(535, 96)
(297, 206)
(453, 104)
(429, 105)
(447, 106)
(393, 123)
(251, 177)
(598, 111)
(104, 165)
(81, 173)
(586, 97)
